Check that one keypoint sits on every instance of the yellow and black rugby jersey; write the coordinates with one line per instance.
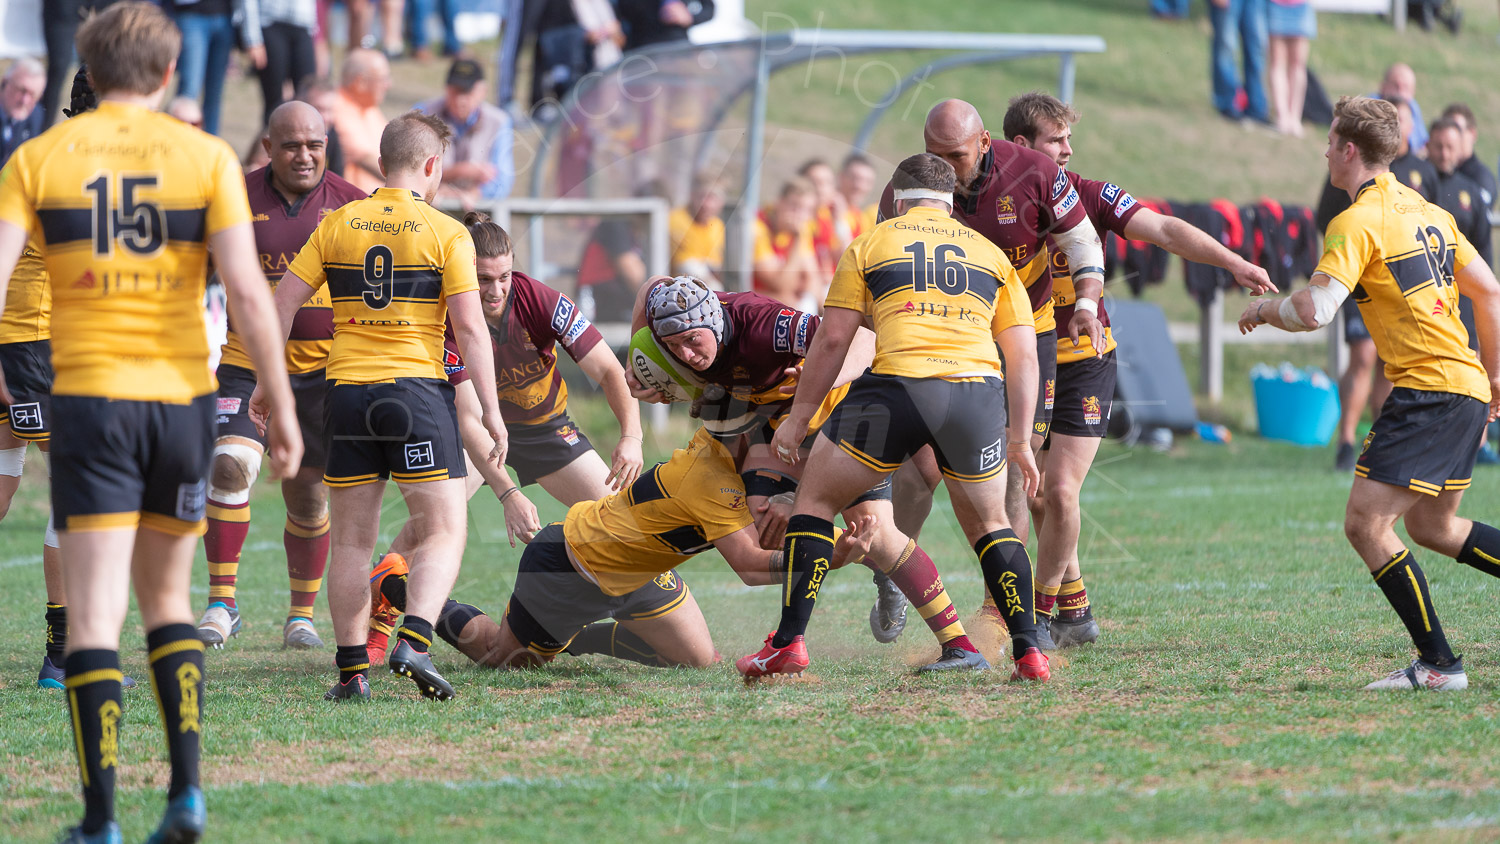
(390, 261)
(936, 292)
(28, 300)
(123, 200)
(1397, 253)
(674, 510)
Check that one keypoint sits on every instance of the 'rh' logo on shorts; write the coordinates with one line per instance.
(419, 455)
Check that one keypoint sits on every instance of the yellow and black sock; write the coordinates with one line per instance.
(393, 587)
(1405, 587)
(93, 684)
(1482, 549)
(917, 578)
(176, 658)
(611, 639)
(353, 661)
(807, 548)
(452, 621)
(1046, 598)
(1007, 574)
(57, 632)
(416, 632)
(1072, 601)
(306, 558)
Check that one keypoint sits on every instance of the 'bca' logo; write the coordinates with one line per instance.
(419, 455)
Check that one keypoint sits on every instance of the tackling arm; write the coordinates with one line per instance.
(830, 349)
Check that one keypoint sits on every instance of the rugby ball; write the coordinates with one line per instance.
(655, 367)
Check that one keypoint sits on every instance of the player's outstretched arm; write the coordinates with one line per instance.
(521, 520)
(1018, 346)
(1477, 281)
(755, 566)
(1310, 308)
(820, 369)
(473, 338)
(255, 320)
(1186, 240)
(604, 369)
(12, 244)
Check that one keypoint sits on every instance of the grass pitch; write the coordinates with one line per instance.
(1223, 701)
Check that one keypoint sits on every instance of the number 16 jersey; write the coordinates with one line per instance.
(936, 292)
(122, 201)
(391, 261)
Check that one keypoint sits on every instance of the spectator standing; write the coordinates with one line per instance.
(1401, 81)
(20, 91)
(1456, 193)
(1169, 9)
(648, 22)
(574, 37)
(1471, 166)
(1239, 24)
(60, 20)
(697, 232)
(186, 110)
(363, 82)
(477, 165)
(1291, 26)
(207, 40)
(418, 14)
(278, 35)
(362, 20)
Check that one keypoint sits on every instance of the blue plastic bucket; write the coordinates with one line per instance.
(1300, 411)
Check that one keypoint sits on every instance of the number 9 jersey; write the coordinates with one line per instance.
(122, 201)
(937, 293)
(1397, 254)
(391, 261)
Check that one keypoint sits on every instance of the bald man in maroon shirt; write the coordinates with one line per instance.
(1017, 198)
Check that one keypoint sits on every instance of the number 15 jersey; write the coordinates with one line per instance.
(391, 261)
(122, 201)
(937, 293)
(1397, 254)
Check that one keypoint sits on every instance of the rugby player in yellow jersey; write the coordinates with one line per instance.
(395, 268)
(939, 297)
(614, 559)
(127, 203)
(1406, 264)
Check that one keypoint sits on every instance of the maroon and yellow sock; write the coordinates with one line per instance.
(1072, 601)
(306, 559)
(1046, 599)
(228, 525)
(917, 578)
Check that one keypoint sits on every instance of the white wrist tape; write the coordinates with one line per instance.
(12, 461)
(1087, 305)
(49, 539)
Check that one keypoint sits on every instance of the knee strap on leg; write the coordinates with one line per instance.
(767, 482)
(12, 461)
(246, 469)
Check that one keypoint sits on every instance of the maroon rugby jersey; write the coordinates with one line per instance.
(762, 339)
(536, 318)
(281, 230)
(1109, 208)
(1019, 197)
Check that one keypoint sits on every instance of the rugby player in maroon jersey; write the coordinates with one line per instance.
(527, 321)
(287, 199)
(751, 347)
(1015, 198)
(1086, 363)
